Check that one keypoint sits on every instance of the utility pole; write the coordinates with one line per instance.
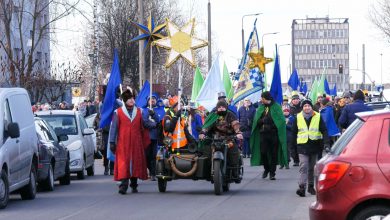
(141, 57)
(209, 34)
(364, 67)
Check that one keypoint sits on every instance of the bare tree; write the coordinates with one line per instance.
(379, 15)
(26, 24)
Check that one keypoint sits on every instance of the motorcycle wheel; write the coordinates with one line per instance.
(217, 177)
(162, 185)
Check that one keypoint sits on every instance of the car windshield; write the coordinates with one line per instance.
(89, 119)
(62, 124)
(347, 136)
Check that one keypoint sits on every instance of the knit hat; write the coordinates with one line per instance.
(173, 101)
(306, 101)
(266, 95)
(221, 95)
(222, 103)
(359, 95)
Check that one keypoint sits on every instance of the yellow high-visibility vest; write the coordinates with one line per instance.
(305, 133)
(178, 135)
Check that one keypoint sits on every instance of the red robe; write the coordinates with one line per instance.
(133, 138)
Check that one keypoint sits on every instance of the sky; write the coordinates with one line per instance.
(277, 16)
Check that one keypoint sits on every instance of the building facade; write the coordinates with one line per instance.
(22, 35)
(320, 44)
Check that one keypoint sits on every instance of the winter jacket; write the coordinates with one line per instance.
(245, 117)
(348, 113)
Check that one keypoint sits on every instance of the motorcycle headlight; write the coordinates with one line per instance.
(168, 141)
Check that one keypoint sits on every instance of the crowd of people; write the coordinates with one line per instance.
(270, 134)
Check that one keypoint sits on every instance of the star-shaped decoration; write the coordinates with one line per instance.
(258, 60)
(181, 43)
(150, 33)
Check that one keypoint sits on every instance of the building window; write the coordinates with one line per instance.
(39, 59)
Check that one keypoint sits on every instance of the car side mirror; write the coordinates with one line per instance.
(88, 131)
(13, 130)
(63, 137)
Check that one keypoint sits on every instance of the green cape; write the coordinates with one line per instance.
(280, 122)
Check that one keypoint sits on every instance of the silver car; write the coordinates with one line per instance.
(80, 143)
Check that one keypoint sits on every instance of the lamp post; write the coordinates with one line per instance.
(242, 28)
(262, 37)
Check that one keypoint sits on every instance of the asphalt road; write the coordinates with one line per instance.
(97, 198)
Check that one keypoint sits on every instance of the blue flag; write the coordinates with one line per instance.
(293, 82)
(142, 98)
(110, 98)
(334, 90)
(326, 87)
(304, 89)
(276, 86)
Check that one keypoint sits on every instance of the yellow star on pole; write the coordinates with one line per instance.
(258, 60)
(181, 43)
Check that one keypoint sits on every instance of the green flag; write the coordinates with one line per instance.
(227, 82)
(197, 84)
(313, 91)
(321, 85)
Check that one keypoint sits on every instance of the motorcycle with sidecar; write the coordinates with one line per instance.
(208, 161)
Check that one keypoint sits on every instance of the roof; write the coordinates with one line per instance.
(56, 112)
(377, 113)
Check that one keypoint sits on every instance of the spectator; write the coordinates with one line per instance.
(348, 113)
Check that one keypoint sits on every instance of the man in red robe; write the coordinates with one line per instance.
(128, 140)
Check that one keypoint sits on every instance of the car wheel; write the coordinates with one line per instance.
(91, 170)
(65, 180)
(48, 183)
(30, 190)
(372, 213)
(81, 173)
(4, 189)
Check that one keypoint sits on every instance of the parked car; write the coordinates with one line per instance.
(18, 149)
(378, 105)
(54, 163)
(353, 179)
(90, 119)
(80, 144)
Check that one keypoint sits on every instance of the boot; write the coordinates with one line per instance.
(123, 186)
(272, 176)
(133, 185)
(106, 170)
(311, 189)
(265, 174)
(301, 191)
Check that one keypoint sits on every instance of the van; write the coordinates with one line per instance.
(18, 145)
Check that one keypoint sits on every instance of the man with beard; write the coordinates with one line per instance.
(128, 140)
(220, 124)
(268, 138)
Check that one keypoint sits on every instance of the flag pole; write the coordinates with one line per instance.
(150, 75)
(180, 65)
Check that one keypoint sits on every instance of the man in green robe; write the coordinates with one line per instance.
(268, 140)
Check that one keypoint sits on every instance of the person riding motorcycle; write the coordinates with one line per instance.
(224, 123)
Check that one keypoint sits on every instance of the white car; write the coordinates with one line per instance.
(80, 143)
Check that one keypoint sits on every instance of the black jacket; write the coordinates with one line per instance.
(311, 146)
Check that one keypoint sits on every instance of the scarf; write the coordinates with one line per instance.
(307, 116)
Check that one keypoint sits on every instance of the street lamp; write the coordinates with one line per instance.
(262, 37)
(242, 28)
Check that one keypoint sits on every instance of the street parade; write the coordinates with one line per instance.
(152, 124)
